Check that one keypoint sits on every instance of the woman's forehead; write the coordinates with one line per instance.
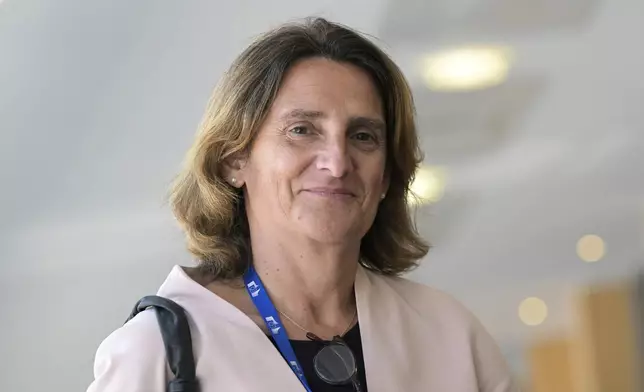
(319, 87)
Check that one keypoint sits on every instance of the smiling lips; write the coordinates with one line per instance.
(330, 192)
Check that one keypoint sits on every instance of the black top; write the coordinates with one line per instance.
(305, 351)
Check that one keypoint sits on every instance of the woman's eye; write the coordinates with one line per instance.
(364, 136)
(299, 130)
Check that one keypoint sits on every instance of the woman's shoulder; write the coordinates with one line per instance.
(131, 358)
(442, 315)
(427, 301)
(141, 333)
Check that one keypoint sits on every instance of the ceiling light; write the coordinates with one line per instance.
(533, 311)
(467, 68)
(591, 248)
(428, 186)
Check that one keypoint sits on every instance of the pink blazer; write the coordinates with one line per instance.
(414, 339)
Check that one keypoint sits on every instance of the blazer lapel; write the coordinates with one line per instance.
(389, 361)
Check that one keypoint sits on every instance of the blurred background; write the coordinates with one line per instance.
(532, 191)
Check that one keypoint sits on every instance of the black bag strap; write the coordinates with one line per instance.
(176, 339)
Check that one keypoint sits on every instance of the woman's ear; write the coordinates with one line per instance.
(234, 171)
(386, 180)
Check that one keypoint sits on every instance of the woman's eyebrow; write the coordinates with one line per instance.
(356, 121)
(368, 122)
(301, 114)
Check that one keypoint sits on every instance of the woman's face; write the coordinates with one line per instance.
(317, 166)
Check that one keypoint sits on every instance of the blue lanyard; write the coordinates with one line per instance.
(271, 317)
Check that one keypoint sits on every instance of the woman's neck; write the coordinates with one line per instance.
(312, 284)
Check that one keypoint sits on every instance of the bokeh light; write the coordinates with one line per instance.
(533, 311)
(467, 68)
(428, 186)
(591, 248)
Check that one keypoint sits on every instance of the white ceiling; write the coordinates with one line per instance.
(99, 101)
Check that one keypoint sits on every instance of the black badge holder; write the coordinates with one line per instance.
(176, 339)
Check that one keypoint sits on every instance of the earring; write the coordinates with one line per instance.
(233, 180)
(383, 196)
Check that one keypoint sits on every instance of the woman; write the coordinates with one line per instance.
(293, 200)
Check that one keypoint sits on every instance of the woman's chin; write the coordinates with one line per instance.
(331, 231)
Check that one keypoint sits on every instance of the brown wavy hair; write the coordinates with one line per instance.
(212, 213)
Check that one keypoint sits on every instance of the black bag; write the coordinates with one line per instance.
(176, 339)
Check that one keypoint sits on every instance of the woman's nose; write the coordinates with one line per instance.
(335, 158)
